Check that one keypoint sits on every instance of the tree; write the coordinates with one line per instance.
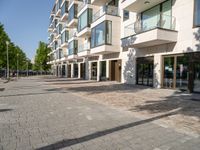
(41, 57)
(14, 52)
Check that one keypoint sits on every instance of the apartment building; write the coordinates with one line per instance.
(146, 42)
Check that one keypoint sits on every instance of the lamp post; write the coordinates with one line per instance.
(7, 43)
(17, 66)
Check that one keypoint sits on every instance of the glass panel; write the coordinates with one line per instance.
(182, 72)
(82, 21)
(166, 15)
(103, 69)
(168, 72)
(150, 18)
(93, 38)
(75, 70)
(94, 70)
(197, 13)
(197, 77)
(100, 34)
(73, 12)
(139, 73)
(108, 32)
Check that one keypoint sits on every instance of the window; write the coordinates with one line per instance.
(158, 16)
(64, 8)
(73, 47)
(64, 37)
(197, 13)
(102, 34)
(85, 19)
(125, 15)
(73, 12)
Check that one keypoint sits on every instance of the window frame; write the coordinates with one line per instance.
(106, 22)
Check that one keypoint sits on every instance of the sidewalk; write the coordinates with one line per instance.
(143, 102)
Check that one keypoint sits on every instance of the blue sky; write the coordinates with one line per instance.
(26, 22)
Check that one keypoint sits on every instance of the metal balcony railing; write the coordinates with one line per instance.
(81, 6)
(83, 47)
(140, 26)
(107, 9)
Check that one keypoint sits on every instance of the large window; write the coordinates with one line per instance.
(158, 16)
(64, 8)
(197, 13)
(102, 34)
(64, 36)
(73, 47)
(73, 12)
(85, 19)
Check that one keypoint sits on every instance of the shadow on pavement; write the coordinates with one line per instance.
(5, 110)
(70, 142)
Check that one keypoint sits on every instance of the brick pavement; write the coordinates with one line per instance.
(37, 116)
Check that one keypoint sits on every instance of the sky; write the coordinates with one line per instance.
(26, 22)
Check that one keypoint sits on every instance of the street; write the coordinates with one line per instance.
(36, 115)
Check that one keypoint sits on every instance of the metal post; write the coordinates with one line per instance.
(17, 66)
(7, 43)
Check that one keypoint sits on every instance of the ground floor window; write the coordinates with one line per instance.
(94, 71)
(103, 70)
(145, 71)
(75, 70)
(182, 72)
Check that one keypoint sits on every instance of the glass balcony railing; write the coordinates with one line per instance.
(107, 9)
(72, 34)
(72, 51)
(83, 47)
(140, 26)
(81, 6)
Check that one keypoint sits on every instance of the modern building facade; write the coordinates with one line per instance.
(147, 42)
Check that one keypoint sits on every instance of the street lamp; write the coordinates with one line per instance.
(7, 43)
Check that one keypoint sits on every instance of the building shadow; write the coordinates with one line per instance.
(70, 142)
(5, 110)
(115, 87)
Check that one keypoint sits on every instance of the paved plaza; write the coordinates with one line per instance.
(34, 114)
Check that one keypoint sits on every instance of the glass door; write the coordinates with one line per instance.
(168, 72)
(197, 77)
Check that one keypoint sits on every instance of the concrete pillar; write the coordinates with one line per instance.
(107, 69)
(87, 70)
(72, 70)
(157, 78)
(79, 70)
(98, 70)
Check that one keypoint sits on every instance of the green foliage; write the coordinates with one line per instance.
(14, 52)
(41, 57)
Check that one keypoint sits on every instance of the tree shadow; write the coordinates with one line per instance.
(70, 142)
(187, 104)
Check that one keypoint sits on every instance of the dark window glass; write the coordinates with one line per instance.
(73, 12)
(197, 13)
(85, 19)
(73, 47)
(125, 15)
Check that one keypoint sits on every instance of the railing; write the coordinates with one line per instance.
(163, 21)
(83, 47)
(85, 2)
(72, 33)
(71, 1)
(109, 10)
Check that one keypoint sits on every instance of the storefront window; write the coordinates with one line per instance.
(168, 72)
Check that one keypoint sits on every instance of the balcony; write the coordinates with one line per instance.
(146, 33)
(72, 53)
(138, 6)
(106, 10)
(99, 2)
(82, 5)
(72, 35)
(84, 50)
